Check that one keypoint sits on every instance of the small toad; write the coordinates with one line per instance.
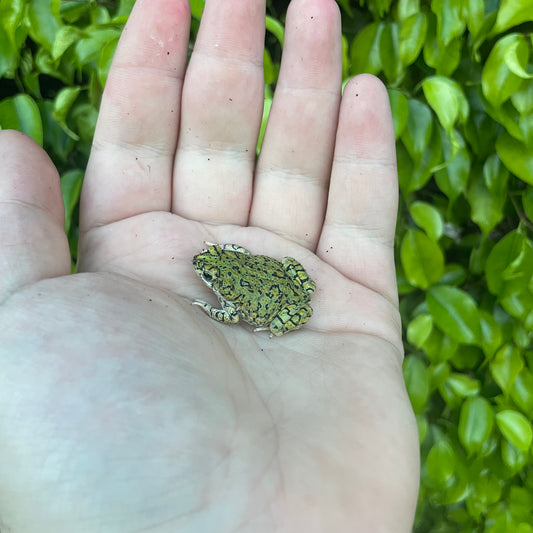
(270, 294)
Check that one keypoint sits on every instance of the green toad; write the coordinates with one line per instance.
(272, 295)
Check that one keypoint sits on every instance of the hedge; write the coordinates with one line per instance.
(460, 80)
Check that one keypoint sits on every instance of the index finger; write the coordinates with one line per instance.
(130, 167)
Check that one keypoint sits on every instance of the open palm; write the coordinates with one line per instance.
(124, 408)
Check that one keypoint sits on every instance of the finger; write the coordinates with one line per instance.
(221, 114)
(33, 244)
(293, 170)
(130, 167)
(358, 233)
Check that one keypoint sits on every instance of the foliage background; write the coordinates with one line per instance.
(460, 80)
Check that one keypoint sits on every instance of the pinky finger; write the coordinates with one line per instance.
(358, 233)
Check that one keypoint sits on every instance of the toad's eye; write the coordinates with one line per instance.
(207, 276)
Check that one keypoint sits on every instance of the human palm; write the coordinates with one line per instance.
(124, 408)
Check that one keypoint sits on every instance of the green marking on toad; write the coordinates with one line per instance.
(269, 294)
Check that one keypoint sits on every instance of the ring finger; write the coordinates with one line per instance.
(221, 113)
(291, 184)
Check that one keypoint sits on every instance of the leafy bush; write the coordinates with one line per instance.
(461, 88)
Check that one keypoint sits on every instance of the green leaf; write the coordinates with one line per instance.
(54, 136)
(516, 157)
(12, 34)
(527, 203)
(46, 65)
(495, 175)
(479, 120)
(508, 251)
(417, 382)
(389, 53)
(63, 102)
(428, 218)
(275, 28)
(423, 426)
(100, 15)
(269, 68)
(439, 374)
(126, 6)
(414, 174)
(364, 52)
(522, 392)
(467, 357)
(21, 113)
(441, 463)
(419, 329)
(72, 10)
(521, 504)
(455, 312)
(447, 100)
(450, 23)
(197, 8)
(443, 58)
(505, 366)
(523, 99)
(511, 13)
(9, 55)
(439, 347)
(419, 129)
(65, 37)
(90, 48)
(345, 59)
(84, 117)
(412, 35)
(516, 428)
(487, 206)
(521, 336)
(379, 8)
(406, 8)
(462, 385)
(422, 259)
(452, 179)
(345, 4)
(516, 57)
(474, 12)
(512, 457)
(517, 303)
(105, 60)
(497, 80)
(487, 489)
(475, 423)
(491, 333)
(454, 274)
(267, 104)
(71, 183)
(44, 21)
(400, 111)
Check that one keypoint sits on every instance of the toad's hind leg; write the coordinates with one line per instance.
(230, 247)
(297, 273)
(291, 318)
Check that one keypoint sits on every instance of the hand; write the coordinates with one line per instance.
(125, 408)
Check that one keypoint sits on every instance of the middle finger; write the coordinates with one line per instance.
(221, 114)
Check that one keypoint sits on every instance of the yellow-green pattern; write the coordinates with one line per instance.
(270, 294)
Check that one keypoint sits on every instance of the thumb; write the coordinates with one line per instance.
(33, 244)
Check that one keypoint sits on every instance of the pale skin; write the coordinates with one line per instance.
(123, 407)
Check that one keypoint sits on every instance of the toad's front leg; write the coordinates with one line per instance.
(228, 314)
